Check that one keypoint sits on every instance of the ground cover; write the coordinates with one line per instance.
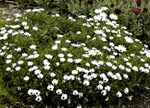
(144, 97)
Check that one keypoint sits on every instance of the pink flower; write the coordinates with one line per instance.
(138, 2)
(136, 10)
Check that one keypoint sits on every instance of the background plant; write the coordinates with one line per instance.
(137, 24)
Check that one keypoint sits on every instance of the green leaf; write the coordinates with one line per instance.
(39, 2)
(44, 32)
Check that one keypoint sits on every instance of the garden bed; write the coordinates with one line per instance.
(140, 100)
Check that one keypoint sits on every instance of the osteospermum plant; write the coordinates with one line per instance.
(50, 60)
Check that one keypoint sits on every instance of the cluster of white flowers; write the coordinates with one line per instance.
(105, 57)
(34, 10)
(36, 93)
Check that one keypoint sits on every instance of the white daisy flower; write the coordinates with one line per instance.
(78, 32)
(46, 62)
(118, 76)
(119, 94)
(64, 96)
(88, 64)
(66, 77)
(69, 55)
(130, 97)
(62, 59)
(128, 39)
(146, 65)
(52, 74)
(104, 92)
(86, 83)
(59, 91)
(28, 10)
(18, 49)
(30, 92)
(40, 76)
(80, 94)
(114, 67)
(111, 37)
(129, 64)
(69, 60)
(50, 87)
(37, 72)
(26, 78)
(20, 62)
(8, 69)
(125, 76)
(85, 55)
(21, 31)
(35, 67)
(126, 90)
(113, 16)
(26, 27)
(57, 15)
(109, 64)
(17, 68)
(24, 23)
(33, 47)
(109, 74)
(54, 81)
(57, 63)
(36, 92)
(38, 98)
(30, 63)
(27, 34)
(74, 72)
(68, 41)
(72, 77)
(60, 55)
(8, 61)
(82, 16)
(100, 62)
(35, 28)
(46, 67)
(24, 55)
(75, 92)
(107, 88)
(135, 68)
(77, 61)
(57, 42)
(121, 67)
(98, 11)
(55, 47)
(99, 87)
(8, 19)
(64, 49)
(128, 69)
(111, 57)
(9, 56)
(48, 56)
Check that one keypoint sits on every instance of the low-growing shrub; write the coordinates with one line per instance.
(54, 61)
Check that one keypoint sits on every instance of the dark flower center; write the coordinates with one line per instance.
(90, 2)
(117, 11)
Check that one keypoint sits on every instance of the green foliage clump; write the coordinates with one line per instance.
(136, 24)
(54, 61)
